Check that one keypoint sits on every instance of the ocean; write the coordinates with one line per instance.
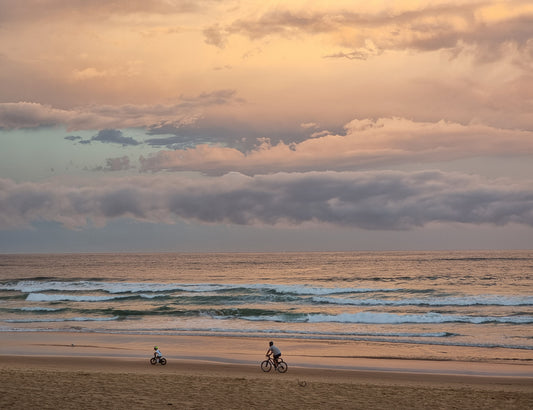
(481, 299)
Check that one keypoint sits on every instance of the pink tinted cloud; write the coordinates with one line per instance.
(425, 27)
(186, 111)
(366, 144)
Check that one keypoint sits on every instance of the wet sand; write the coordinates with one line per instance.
(67, 371)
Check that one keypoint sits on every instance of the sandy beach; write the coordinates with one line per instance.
(57, 370)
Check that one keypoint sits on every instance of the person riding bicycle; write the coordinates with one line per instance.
(276, 353)
(157, 353)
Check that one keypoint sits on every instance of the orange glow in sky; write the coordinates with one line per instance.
(105, 105)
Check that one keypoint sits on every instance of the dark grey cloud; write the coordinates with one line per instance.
(73, 138)
(369, 200)
(114, 137)
(77, 139)
(228, 131)
(116, 164)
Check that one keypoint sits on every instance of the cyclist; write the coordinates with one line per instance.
(276, 353)
(157, 353)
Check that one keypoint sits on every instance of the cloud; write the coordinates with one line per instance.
(186, 111)
(88, 73)
(30, 115)
(115, 137)
(73, 138)
(369, 200)
(361, 53)
(364, 145)
(35, 10)
(179, 141)
(218, 97)
(116, 164)
(487, 26)
(214, 36)
(237, 130)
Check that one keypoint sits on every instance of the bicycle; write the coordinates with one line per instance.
(154, 360)
(266, 365)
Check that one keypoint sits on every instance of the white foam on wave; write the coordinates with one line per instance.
(313, 332)
(70, 319)
(309, 290)
(31, 286)
(485, 300)
(43, 297)
(431, 317)
(37, 309)
(88, 286)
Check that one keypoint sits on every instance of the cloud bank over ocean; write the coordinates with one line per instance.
(376, 200)
(356, 116)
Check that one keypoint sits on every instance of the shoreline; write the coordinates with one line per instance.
(55, 370)
(306, 354)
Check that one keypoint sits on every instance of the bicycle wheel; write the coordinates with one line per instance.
(163, 361)
(282, 367)
(266, 366)
(153, 360)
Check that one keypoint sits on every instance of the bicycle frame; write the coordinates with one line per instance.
(271, 360)
(269, 363)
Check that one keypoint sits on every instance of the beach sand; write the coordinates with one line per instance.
(97, 371)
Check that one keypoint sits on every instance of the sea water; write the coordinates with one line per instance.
(481, 299)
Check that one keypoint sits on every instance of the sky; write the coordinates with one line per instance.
(256, 126)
